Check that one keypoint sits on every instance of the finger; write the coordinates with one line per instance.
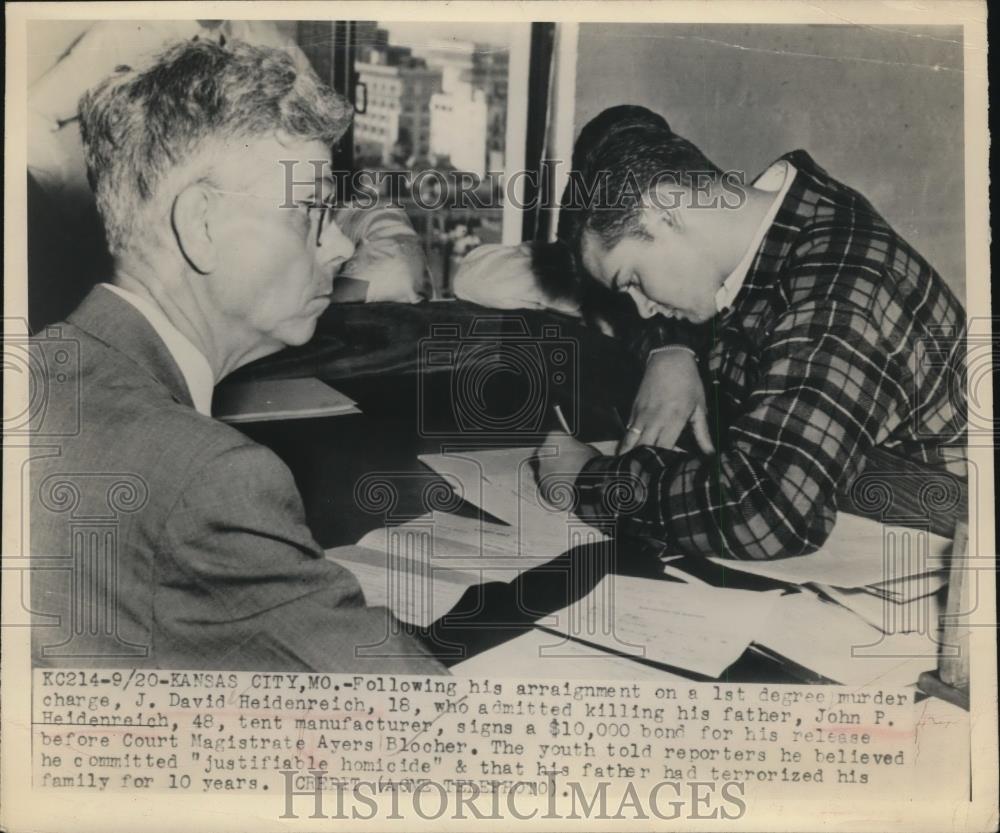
(623, 443)
(701, 433)
(665, 438)
(648, 435)
(629, 438)
(670, 431)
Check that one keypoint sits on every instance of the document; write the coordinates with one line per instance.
(414, 590)
(273, 399)
(693, 626)
(456, 542)
(502, 482)
(420, 569)
(835, 643)
(533, 653)
(888, 614)
(912, 587)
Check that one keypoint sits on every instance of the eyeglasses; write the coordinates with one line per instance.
(325, 209)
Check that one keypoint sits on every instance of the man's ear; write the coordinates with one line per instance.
(190, 217)
(658, 220)
(667, 201)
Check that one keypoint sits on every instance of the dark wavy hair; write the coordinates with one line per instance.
(607, 138)
(596, 134)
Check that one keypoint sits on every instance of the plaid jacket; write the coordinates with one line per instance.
(843, 339)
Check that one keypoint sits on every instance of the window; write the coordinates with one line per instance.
(458, 95)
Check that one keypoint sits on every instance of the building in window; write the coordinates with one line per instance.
(454, 58)
(469, 115)
(490, 65)
(400, 87)
(458, 125)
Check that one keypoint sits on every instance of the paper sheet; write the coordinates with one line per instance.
(858, 552)
(832, 641)
(887, 614)
(421, 568)
(541, 654)
(502, 482)
(692, 626)
(413, 592)
(911, 587)
(455, 542)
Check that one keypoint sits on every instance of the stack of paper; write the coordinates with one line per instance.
(869, 605)
(832, 641)
(865, 611)
(887, 576)
(272, 399)
(451, 542)
(913, 587)
(902, 606)
(420, 569)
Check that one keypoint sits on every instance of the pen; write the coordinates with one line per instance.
(562, 420)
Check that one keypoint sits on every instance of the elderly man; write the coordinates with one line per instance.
(821, 317)
(388, 264)
(196, 554)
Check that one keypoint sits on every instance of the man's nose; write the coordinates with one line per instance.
(646, 308)
(334, 245)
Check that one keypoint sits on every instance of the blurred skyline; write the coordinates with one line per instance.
(417, 34)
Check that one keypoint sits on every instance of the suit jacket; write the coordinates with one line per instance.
(161, 537)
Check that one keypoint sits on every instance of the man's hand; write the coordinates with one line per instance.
(561, 463)
(670, 396)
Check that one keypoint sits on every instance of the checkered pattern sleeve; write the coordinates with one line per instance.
(828, 388)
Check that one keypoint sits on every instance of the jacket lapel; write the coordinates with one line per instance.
(121, 326)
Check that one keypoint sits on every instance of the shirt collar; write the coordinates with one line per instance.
(194, 366)
(778, 178)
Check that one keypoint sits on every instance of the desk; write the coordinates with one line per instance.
(405, 367)
(390, 359)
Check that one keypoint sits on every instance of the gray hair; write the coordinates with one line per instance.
(139, 125)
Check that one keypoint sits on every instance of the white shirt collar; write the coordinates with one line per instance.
(777, 178)
(194, 366)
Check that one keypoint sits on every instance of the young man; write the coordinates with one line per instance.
(538, 275)
(821, 318)
(169, 538)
